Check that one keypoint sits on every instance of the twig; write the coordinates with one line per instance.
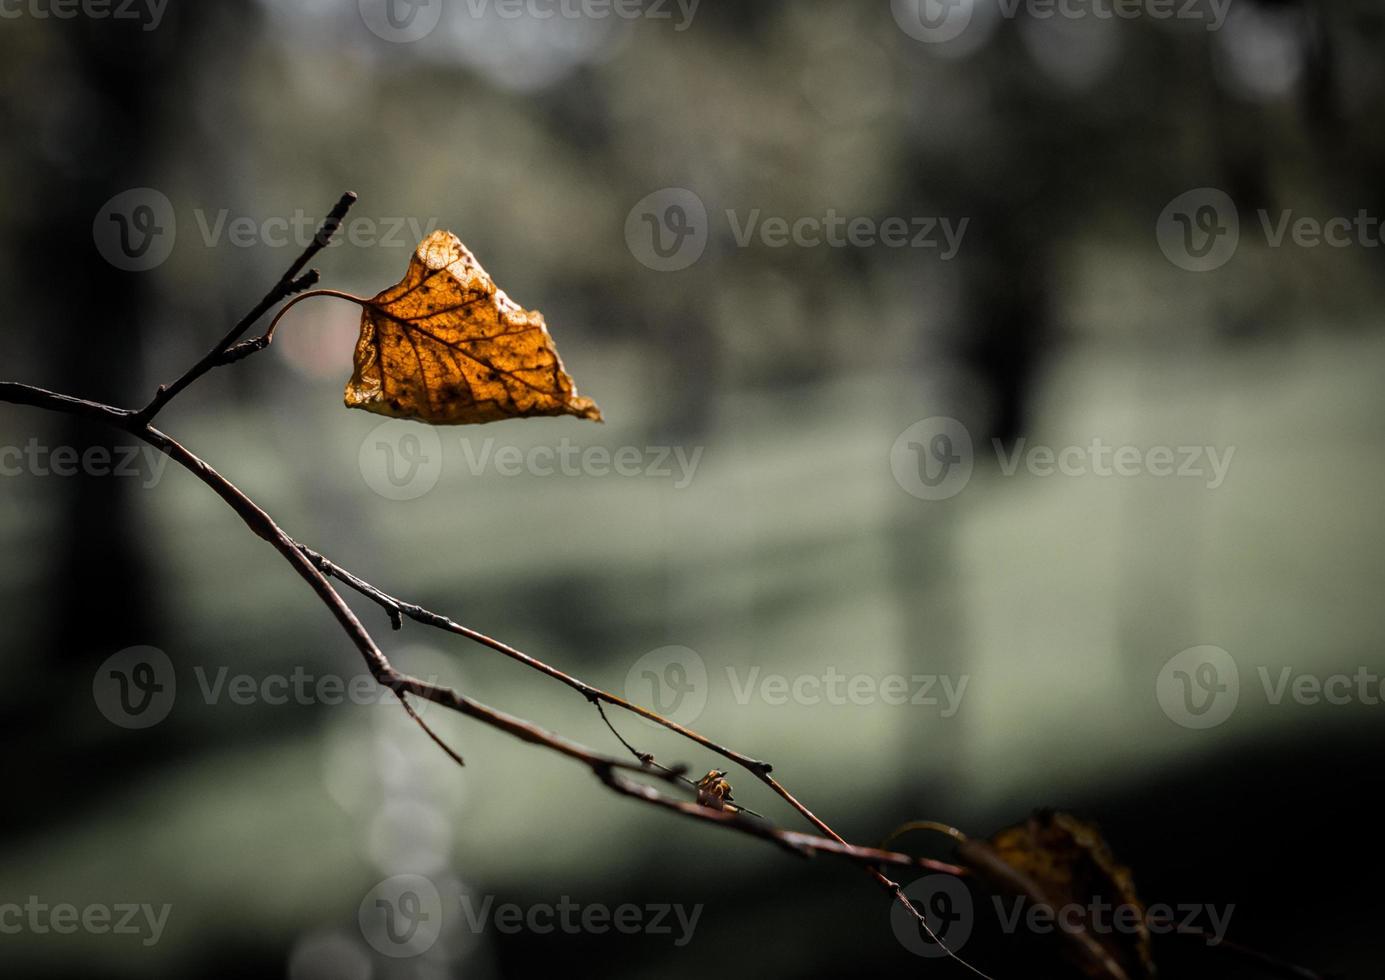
(289, 283)
(398, 607)
(1272, 965)
(315, 569)
(647, 758)
(437, 739)
(606, 768)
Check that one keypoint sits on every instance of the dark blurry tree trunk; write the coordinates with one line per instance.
(126, 85)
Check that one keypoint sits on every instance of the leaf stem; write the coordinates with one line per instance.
(266, 338)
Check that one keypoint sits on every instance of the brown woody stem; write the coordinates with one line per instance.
(289, 284)
(607, 768)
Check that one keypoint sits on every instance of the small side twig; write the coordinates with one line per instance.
(1271, 965)
(647, 758)
(761, 770)
(289, 284)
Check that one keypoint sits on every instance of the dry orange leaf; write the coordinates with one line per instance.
(447, 346)
(1055, 859)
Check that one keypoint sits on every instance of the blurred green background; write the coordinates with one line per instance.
(793, 548)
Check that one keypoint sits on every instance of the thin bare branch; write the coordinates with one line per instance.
(607, 768)
(398, 607)
(289, 284)
(428, 618)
